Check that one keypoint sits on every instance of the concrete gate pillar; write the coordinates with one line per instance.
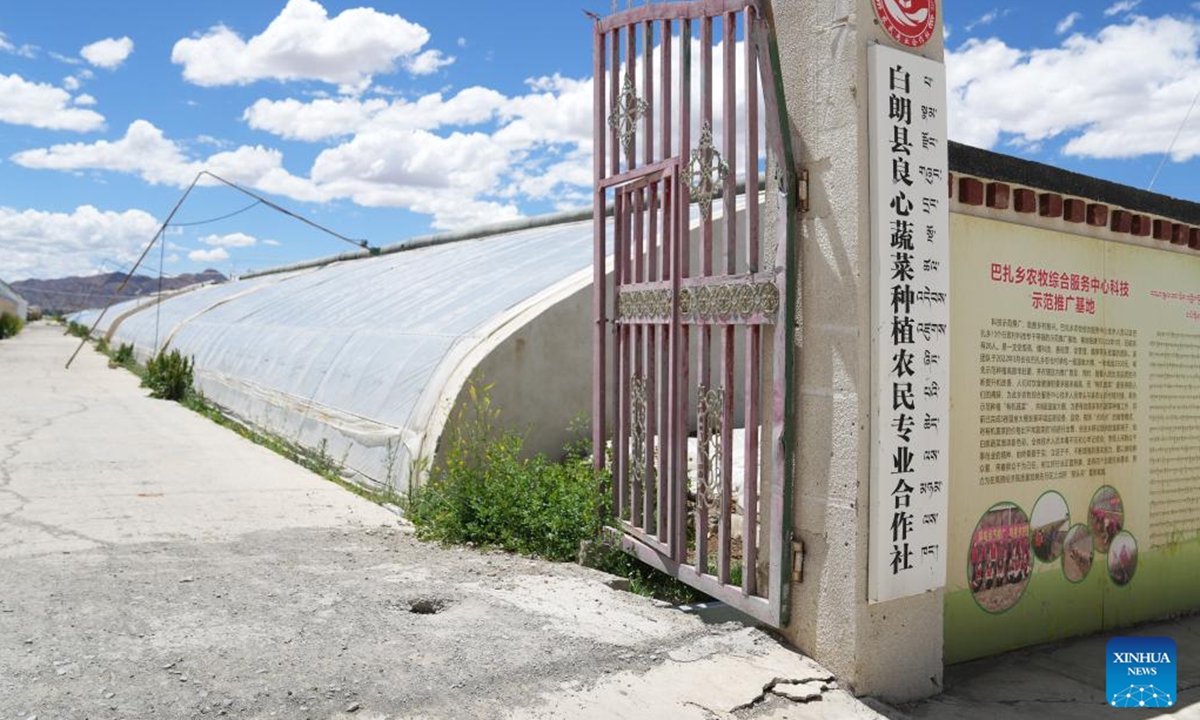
(890, 649)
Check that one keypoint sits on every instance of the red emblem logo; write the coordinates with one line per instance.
(909, 22)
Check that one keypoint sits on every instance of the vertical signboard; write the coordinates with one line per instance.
(910, 285)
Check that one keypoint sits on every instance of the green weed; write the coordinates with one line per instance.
(169, 376)
(485, 493)
(10, 325)
(124, 355)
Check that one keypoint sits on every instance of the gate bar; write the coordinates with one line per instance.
(599, 261)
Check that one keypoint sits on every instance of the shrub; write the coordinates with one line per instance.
(102, 346)
(9, 325)
(123, 355)
(79, 330)
(169, 376)
(485, 493)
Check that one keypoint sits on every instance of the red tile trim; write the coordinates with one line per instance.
(1122, 221)
(998, 195)
(1074, 210)
(970, 191)
(1024, 200)
(1002, 196)
(1050, 205)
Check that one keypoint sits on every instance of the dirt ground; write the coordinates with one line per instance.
(155, 565)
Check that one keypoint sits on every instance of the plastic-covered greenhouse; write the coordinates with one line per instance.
(364, 358)
(11, 301)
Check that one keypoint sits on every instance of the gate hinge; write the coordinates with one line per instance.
(802, 191)
(797, 560)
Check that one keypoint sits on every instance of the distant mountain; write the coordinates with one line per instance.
(69, 294)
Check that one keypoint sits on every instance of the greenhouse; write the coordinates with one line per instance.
(12, 302)
(363, 358)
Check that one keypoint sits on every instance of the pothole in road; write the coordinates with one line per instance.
(427, 605)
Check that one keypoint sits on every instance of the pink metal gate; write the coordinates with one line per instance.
(693, 341)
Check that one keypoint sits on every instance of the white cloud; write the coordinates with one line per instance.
(462, 42)
(145, 152)
(1123, 6)
(986, 19)
(42, 105)
(427, 62)
(204, 139)
(324, 119)
(231, 240)
(304, 43)
(65, 59)
(54, 244)
(71, 83)
(25, 51)
(1119, 93)
(208, 256)
(108, 53)
(317, 120)
(271, 243)
(85, 99)
(1064, 26)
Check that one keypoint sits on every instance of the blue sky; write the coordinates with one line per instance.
(410, 118)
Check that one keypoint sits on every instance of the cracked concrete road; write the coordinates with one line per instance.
(154, 564)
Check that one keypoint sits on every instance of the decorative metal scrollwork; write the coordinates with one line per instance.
(729, 301)
(625, 115)
(637, 431)
(653, 304)
(706, 171)
(710, 407)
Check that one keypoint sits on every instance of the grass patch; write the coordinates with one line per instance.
(10, 325)
(78, 330)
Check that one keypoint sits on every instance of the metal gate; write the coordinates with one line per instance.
(693, 341)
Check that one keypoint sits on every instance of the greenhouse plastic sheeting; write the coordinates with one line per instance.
(14, 298)
(87, 317)
(345, 358)
(143, 327)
